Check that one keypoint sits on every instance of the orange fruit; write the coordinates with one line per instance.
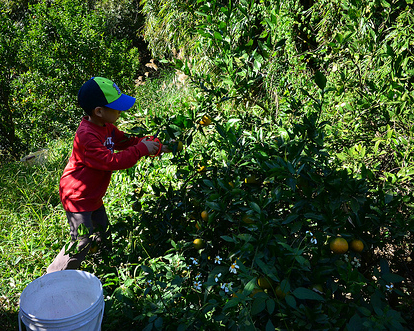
(202, 169)
(339, 245)
(264, 283)
(246, 219)
(236, 294)
(231, 184)
(198, 243)
(205, 120)
(94, 248)
(251, 180)
(280, 293)
(180, 146)
(255, 291)
(204, 215)
(357, 245)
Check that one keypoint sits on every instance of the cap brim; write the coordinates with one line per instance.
(124, 102)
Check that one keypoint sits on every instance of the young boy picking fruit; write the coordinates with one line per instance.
(87, 175)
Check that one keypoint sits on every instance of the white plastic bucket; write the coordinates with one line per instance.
(63, 300)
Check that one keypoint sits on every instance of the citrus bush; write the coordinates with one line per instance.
(248, 241)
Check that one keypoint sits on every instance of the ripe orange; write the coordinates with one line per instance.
(357, 245)
(264, 283)
(255, 291)
(236, 294)
(251, 180)
(246, 219)
(204, 215)
(339, 245)
(202, 169)
(198, 243)
(180, 146)
(206, 120)
(280, 293)
(93, 248)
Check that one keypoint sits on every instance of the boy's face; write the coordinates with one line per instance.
(110, 115)
(102, 115)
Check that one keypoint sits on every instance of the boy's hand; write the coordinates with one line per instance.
(152, 146)
(165, 149)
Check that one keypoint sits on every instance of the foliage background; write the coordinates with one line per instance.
(312, 99)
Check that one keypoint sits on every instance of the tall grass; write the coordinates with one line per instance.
(31, 222)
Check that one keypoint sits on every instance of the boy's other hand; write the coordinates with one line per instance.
(152, 146)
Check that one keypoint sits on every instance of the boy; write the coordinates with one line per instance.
(88, 172)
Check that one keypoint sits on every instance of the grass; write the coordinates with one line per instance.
(32, 222)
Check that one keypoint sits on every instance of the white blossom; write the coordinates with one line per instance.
(389, 287)
(217, 277)
(233, 268)
(346, 258)
(197, 285)
(226, 287)
(217, 259)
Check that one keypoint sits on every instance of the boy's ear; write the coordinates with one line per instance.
(97, 111)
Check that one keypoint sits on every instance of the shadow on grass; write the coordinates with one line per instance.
(8, 320)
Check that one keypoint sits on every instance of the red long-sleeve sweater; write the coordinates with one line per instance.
(87, 175)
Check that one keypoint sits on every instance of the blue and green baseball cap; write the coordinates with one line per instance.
(102, 92)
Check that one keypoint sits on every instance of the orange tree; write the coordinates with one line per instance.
(276, 229)
(276, 196)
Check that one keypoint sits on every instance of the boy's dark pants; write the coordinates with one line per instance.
(97, 223)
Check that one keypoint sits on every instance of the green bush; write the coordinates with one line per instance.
(59, 46)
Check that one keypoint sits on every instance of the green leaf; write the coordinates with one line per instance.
(259, 304)
(255, 207)
(147, 269)
(250, 286)
(228, 239)
(148, 327)
(392, 278)
(385, 4)
(270, 303)
(270, 326)
(355, 323)
(307, 294)
(290, 218)
(158, 323)
(320, 80)
(364, 311)
(213, 205)
(290, 300)
(218, 36)
(231, 303)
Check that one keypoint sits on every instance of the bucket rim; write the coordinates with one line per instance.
(90, 276)
(95, 306)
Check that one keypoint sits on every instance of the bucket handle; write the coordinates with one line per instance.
(19, 316)
(102, 314)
